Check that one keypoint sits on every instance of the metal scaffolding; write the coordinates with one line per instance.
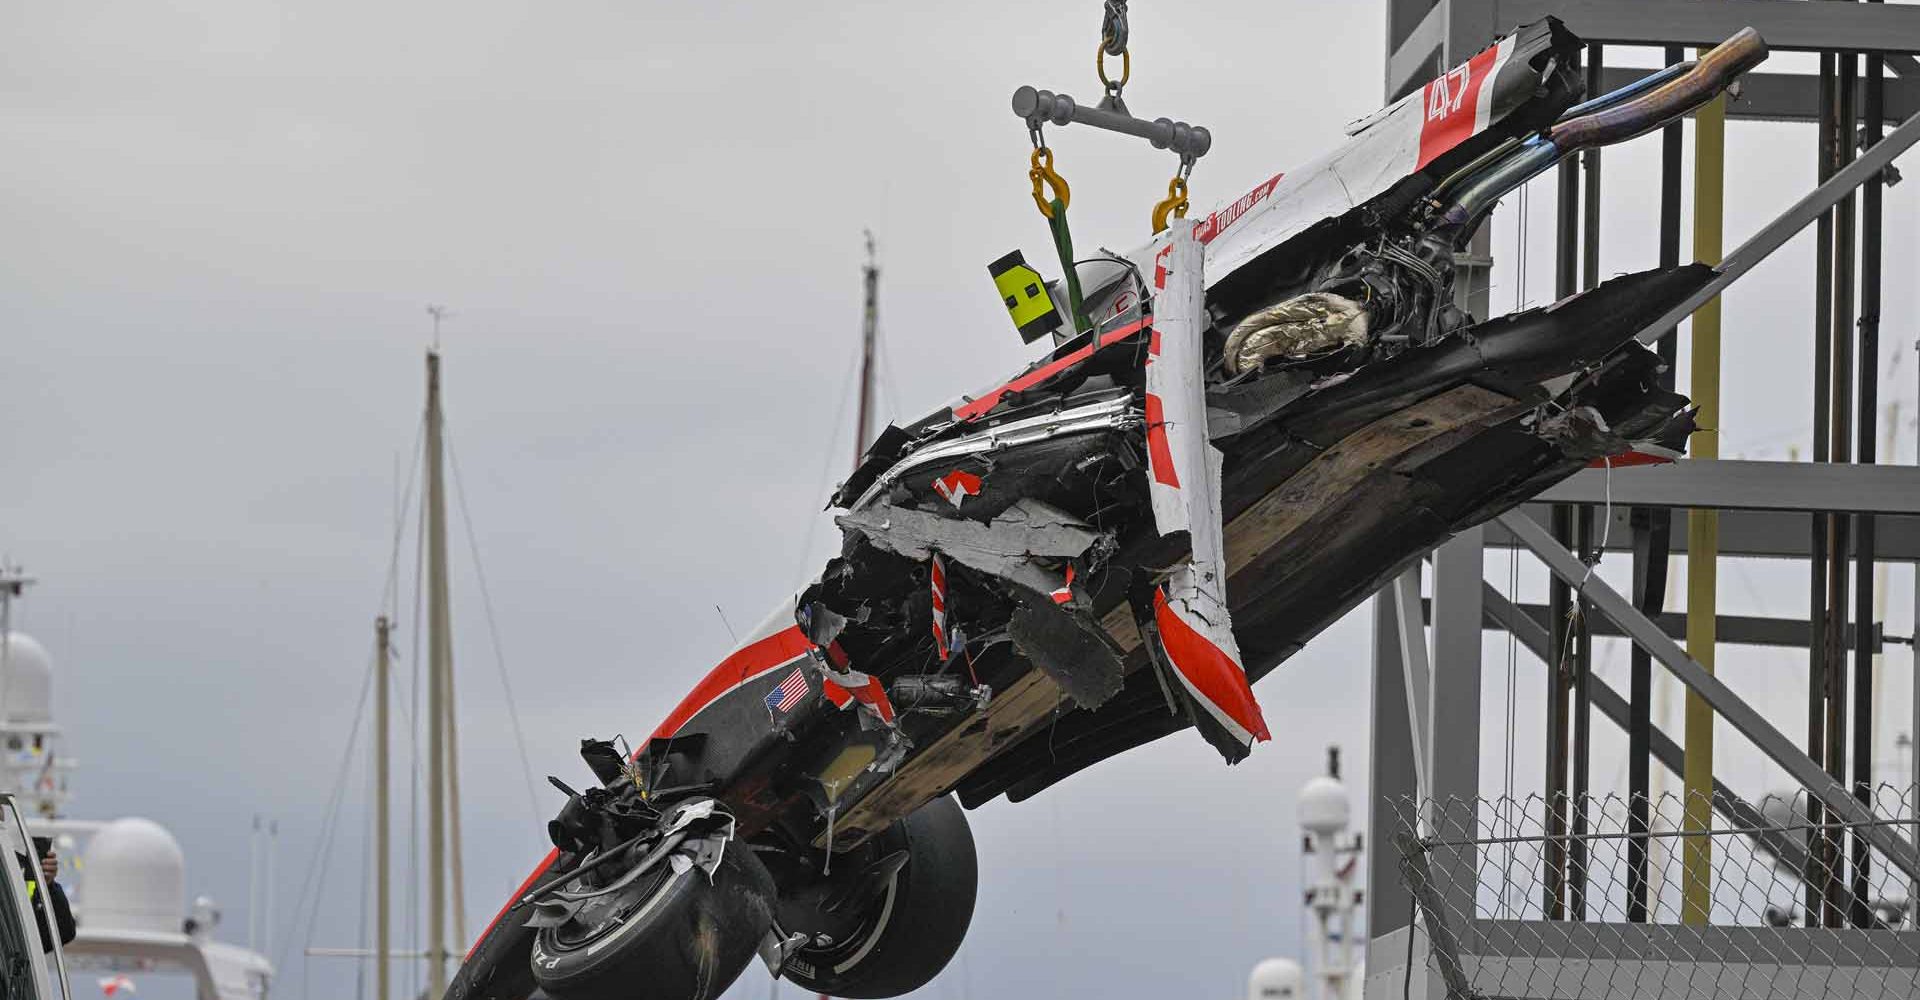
(1431, 925)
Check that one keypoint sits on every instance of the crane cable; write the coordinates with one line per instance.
(1114, 35)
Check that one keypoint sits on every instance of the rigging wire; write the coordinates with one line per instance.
(493, 629)
(388, 596)
(826, 470)
(322, 851)
(367, 875)
(892, 380)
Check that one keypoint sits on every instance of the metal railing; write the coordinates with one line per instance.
(1518, 898)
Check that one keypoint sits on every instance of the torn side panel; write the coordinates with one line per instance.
(1006, 547)
(1070, 647)
(1190, 610)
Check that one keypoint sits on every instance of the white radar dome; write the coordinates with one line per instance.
(1277, 979)
(26, 688)
(1323, 806)
(136, 878)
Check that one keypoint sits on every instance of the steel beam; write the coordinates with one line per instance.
(1770, 534)
(1416, 59)
(1782, 97)
(1392, 782)
(1816, 202)
(1531, 633)
(1785, 24)
(1418, 41)
(1402, 17)
(1410, 631)
(1748, 485)
(1725, 703)
(1455, 694)
(1454, 704)
(1735, 630)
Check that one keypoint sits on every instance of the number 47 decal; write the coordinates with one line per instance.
(1445, 95)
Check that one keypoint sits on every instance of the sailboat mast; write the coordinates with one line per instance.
(455, 865)
(438, 659)
(869, 335)
(381, 943)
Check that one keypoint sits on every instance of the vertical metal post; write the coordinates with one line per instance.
(1582, 638)
(1703, 526)
(1840, 450)
(1818, 864)
(1865, 453)
(437, 653)
(1559, 675)
(1391, 785)
(1566, 278)
(382, 941)
(1459, 611)
(1652, 531)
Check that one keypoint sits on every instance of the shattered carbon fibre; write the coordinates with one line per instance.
(1278, 408)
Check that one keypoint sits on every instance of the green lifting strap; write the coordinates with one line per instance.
(1063, 244)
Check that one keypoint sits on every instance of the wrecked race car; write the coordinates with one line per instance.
(1271, 412)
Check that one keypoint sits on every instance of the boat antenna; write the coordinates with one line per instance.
(438, 313)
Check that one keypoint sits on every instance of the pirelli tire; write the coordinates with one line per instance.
(675, 936)
(497, 967)
(916, 925)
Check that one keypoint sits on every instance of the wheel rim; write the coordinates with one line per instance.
(837, 958)
(600, 917)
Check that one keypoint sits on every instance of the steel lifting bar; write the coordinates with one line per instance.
(1721, 698)
(1788, 224)
(1036, 106)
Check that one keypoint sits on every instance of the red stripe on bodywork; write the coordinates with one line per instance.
(1629, 458)
(545, 864)
(1220, 221)
(1450, 103)
(872, 694)
(1159, 452)
(979, 407)
(1210, 671)
(746, 663)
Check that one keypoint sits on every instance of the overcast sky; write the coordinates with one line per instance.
(226, 219)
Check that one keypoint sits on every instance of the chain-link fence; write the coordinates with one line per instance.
(1589, 897)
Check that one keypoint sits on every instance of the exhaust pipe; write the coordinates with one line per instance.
(1713, 73)
(1631, 111)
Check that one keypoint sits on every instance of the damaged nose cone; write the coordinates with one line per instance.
(1301, 326)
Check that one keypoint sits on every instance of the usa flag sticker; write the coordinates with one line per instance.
(787, 694)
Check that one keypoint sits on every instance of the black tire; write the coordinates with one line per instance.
(497, 967)
(673, 937)
(916, 926)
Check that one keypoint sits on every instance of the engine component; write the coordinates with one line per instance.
(1301, 326)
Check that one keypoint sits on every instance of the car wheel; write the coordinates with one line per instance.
(914, 927)
(669, 935)
(497, 967)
